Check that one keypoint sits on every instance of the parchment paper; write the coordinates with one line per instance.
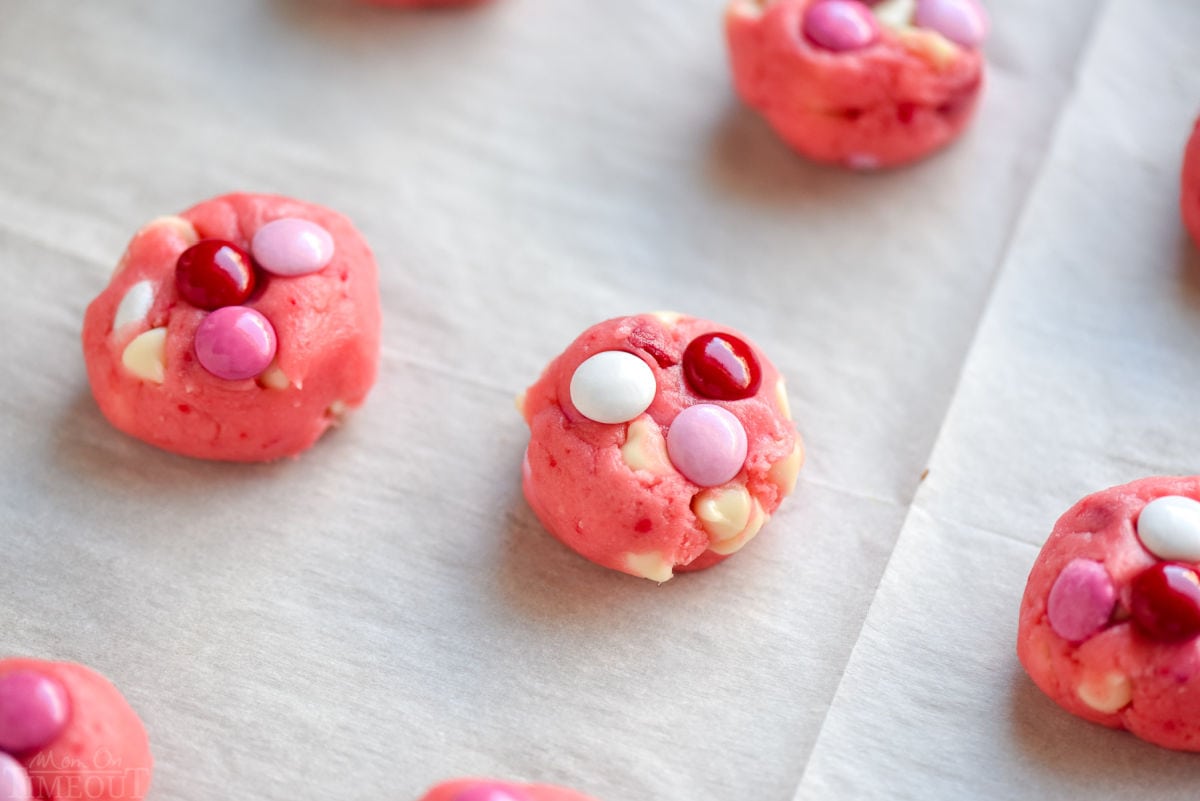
(1083, 376)
(385, 612)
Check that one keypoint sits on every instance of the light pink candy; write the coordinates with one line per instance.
(235, 342)
(491, 791)
(707, 444)
(14, 781)
(33, 711)
(841, 25)
(1081, 600)
(961, 21)
(291, 247)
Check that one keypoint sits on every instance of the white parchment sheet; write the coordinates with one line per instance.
(385, 612)
(1083, 375)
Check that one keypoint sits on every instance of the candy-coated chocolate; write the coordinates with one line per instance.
(963, 22)
(491, 791)
(1165, 602)
(292, 246)
(707, 444)
(722, 367)
(612, 387)
(14, 781)
(1081, 600)
(841, 25)
(1169, 528)
(235, 343)
(34, 709)
(214, 273)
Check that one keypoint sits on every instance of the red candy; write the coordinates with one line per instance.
(214, 273)
(1166, 602)
(721, 367)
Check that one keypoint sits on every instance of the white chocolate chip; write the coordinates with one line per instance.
(929, 45)
(895, 13)
(649, 565)
(146, 355)
(645, 447)
(520, 402)
(753, 525)
(134, 307)
(668, 318)
(1169, 527)
(184, 229)
(784, 473)
(1106, 693)
(338, 411)
(274, 378)
(781, 398)
(723, 511)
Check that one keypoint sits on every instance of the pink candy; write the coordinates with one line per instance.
(707, 444)
(1081, 600)
(235, 343)
(961, 21)
(33, 711)
(14, 781)
(491, 792)
(291, 247)
(841, 25)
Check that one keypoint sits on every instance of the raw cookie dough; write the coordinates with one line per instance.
(240, 330)
(67, 733)
(1190, 197)
(487, 790)
(658, 443)
(859, 84)
(1111, 615)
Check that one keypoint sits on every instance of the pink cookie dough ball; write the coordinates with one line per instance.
(268, 361)
(1189, 201)
(658, 443)
(98, 749)
(489, 790)
(1110, 621)
(856, 84)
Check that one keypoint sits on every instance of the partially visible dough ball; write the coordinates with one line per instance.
(658, 443)
(856, 84)
(1110, 621)
(1189, 200)
(72, 732)
(239, 330)
(488, 790)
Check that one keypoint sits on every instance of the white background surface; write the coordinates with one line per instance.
(385, 612)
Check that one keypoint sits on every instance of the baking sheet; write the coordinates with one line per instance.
(385, 612)
(1083, 376)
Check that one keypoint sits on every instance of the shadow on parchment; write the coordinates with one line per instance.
(1087, 755)
(1189, 269)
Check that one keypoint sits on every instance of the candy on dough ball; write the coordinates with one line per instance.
(658, 443)
(1169, 527)
(197, 348)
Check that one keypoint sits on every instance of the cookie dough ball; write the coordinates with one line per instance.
(1110, 621)
(863, 85)
(240, 330)
(658, 443)
(1190, 198)
(486, 790)
(66, 732)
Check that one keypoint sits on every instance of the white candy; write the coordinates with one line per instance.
(613, 387)
(1169, 527)
(895, 13)
(134, 307)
